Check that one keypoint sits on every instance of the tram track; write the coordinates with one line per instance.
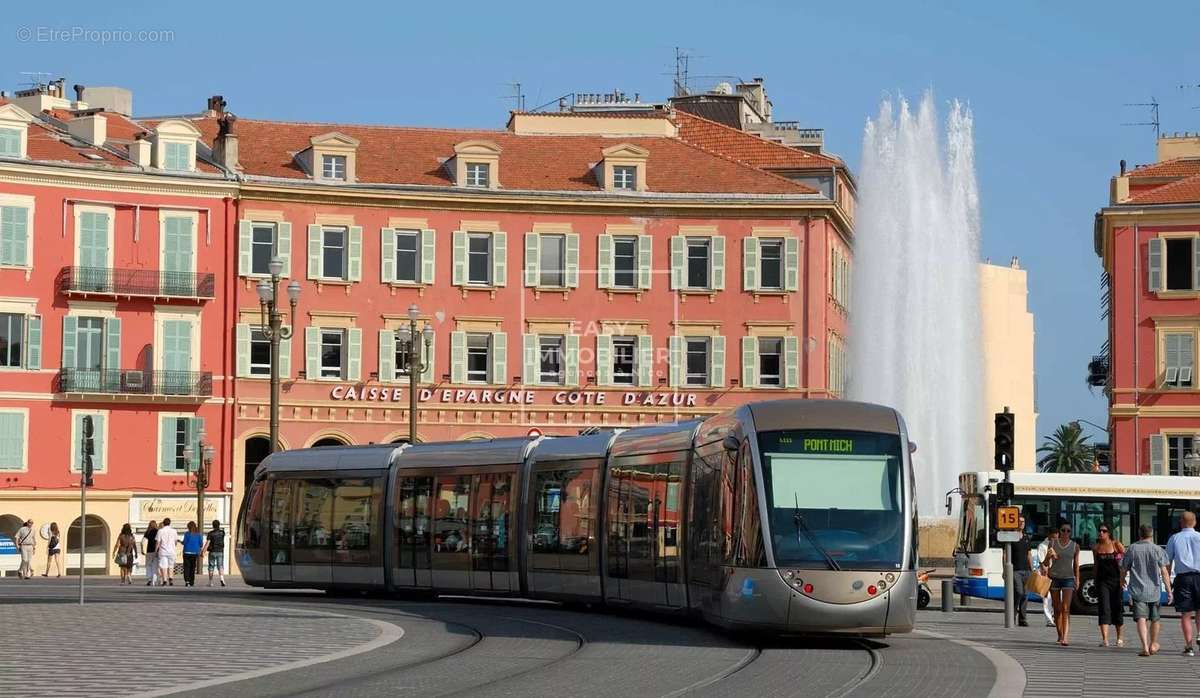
(863, 678)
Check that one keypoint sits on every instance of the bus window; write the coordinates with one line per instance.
(1037, 517)
(972, 528)
(1119, 520)
(1085, 519)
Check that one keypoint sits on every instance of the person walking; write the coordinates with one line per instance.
(1183, 549)
(214, 547)
(1062, 564)
(1107, 554)
(166, 539)
(193, 543)
(125, 552)
(54, 551)
(26, 544)
(150, 543)
(1042, 554)
(1144, 569)
(1022, 563)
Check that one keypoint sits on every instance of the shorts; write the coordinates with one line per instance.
(166, 562)
(1146, 609)
(216, 562)
(1068, 583)
(1187, 592)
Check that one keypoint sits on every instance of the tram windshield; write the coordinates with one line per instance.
(835, 497)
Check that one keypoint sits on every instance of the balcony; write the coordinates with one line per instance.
(153, 386)
(136, 283)
(1097, 371)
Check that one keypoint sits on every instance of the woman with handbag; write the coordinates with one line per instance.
(1062, 565)
(125, 553)
(54, 553)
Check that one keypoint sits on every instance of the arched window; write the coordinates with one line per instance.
(257, 449)
(329, 441)
(95, 557)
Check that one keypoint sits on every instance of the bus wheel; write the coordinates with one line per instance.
(1087, 596)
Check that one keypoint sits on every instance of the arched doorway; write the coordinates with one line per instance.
(257, 448)
(95, 557)
(329, 441)
(9, 525)
(8, 533)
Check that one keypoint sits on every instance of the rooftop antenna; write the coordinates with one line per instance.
(682, 57)
(35, 78)
(1153, 105)
(517, 96)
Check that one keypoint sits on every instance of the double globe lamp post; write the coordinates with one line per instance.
(272, 327)
(415, 345)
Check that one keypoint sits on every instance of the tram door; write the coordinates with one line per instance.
(451, 555)
(279, 517)
(490, 534)
(644, 531)
(413, 532)
(312, 536)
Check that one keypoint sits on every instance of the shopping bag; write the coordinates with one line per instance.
(1038, 584)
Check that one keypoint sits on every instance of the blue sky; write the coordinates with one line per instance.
(1047, 83)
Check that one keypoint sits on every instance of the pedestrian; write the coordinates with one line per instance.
(27, 545)
(193, 542)
(125, 553)
(214, 547)
(150, 544)
(1106, 556)
(1062, 564)
(1042, 554)
(1183, 549)
(166, 540)
(54, 551)
(1144, 569)
(1022, 566)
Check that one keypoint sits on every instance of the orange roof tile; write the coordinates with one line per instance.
(1177, 167)
(45, 144)
(1183, 191)
(747, 147)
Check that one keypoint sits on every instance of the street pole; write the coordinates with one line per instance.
(82, 529)
(414, 365)
(271, 325)
(276, 322)
(1008, 576)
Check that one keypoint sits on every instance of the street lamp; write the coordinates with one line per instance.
(198, 472)
(410, 342)
(272, 327)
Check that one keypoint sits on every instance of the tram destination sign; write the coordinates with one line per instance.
(515, 396)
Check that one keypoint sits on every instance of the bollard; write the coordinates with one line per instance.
(947, 596)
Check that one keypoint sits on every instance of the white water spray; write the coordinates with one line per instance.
(915, 317)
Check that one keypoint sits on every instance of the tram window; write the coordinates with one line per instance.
(452, 524)
(667, 511)
(251, 528)
(281, 521)
(355, 510)
(412, 509)
(489, 532)
(704, 547)
(618, 523)
(314, 522)
(562, 511)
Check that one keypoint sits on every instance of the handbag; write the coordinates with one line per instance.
(1038, 583)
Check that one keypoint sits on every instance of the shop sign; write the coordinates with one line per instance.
(179, 509)
(504, 396)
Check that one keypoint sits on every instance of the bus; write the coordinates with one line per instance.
(1083, 500)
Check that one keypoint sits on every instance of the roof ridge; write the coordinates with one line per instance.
(758, 139)
(745, 165)
(1166, 187)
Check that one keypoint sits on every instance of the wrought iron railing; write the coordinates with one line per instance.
(132, 382)
(136, 282)
(1098, 371)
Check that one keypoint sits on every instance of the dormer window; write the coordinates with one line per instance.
(14, 131)
(623, 168)
(476, 164)
(625, 177)
(10, 143)
(331, 157)
(178, 157)
(333, 167)
(478, 174)
(175, 145)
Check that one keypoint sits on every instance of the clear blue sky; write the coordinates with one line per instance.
(1047, 82)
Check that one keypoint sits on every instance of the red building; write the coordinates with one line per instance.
(1149, 240)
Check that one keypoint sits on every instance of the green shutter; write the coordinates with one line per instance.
(604, 364)
(354, 350)
(533, 249)
(314, 251)
(499, 358)
(354, 267)
(76, 444)
(791, 362)
(645, 251)
(604, 261)
(283, 247)
(33, 343)
(678, 259)
(499, 259)
(14, 236)
(675, 356)
(387, 256)
(245, 246)
(718, 263)
(458, 357)
(749, 362)
(716, 358)
(428, 255)
(791, 264)
(1154, 269)
(645, 360)
(571, 349)
(572, 256)
(430, 361)
(312, 353)
(285, 358)
(1158, 453)
(99, 434)
(68, 343)
(387, 356)
(750, 264)
(12, 440)
(112, 344)
(242, 339)
(459, 252)
(532, 376)
(166, 444)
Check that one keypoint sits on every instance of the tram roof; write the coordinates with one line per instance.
(371, 457)
(453, 453)
(775, 415)
(663, 438)
(573, 447)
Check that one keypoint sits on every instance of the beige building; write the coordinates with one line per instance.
(1007, 328)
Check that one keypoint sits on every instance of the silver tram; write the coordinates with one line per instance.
(794, 516)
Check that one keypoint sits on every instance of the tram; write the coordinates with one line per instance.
(791, 516)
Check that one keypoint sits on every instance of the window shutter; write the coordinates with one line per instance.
(77, 442)
(430, 361)
(1158, 454)
(645, 360)
(387, 356)
(312, 353)
(194, 425)
(645, 259)
(428, 255)
(604, 363)
(531, 374)
(604, 261)
(532, 248)
(245, 234)
(242, 338)
(283, 247)
(68, 342)
(112, 344)
(678, 252)
(354, 265)
(166, 444)
(791, 264)
(33, 343)
(458, 357)
(354, 360)
(750, 264)
(791, 361)
(675, 349)
(749, 362)
(285, 358)
(1170, 359)
(387, 256)
(572, 260)
(718, 263)
(717, 360)
(98, 435)
(571, 349)
(314, 251)
(459, 252)
(1154, 269)
(1196, 263)
(499, 259)
(499, 358)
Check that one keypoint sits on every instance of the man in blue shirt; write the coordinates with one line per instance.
(1183, 549)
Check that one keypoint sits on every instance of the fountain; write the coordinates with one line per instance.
(915, 310)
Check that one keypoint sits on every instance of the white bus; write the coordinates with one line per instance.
(1085, 501)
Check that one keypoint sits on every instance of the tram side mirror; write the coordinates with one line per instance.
(731, 443)
(912, 447)
(949, 506)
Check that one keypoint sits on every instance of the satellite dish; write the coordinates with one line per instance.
(723, 88)
(44, 531)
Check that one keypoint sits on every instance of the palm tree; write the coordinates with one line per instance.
(1067, 451)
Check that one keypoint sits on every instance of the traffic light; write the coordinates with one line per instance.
(87, 449)
(1005, 425)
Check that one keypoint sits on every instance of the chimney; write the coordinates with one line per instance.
(225, 145)
(1122, 168)
(139, 150)
(79, 92)
(89, 129)
(216, 105)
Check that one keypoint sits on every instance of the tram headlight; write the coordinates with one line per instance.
(889, 577)
(882, 585)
